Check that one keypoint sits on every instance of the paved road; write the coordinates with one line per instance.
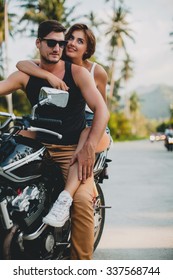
(140, 189)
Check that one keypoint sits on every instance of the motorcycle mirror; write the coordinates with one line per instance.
(54, 96)
(51, 96)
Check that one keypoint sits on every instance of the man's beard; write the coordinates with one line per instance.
(47, 61)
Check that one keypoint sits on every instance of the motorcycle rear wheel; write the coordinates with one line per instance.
(99, 212)
(99, 216)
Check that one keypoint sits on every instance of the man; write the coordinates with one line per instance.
(50, 43)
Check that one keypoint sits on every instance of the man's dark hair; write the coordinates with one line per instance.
(49, 26)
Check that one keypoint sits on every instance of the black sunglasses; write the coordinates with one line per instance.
(51, 43)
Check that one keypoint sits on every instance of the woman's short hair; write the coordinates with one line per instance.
(90, 38)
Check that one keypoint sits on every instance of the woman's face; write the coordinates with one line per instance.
(77, 45)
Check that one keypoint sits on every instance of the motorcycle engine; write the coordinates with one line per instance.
(25, 207)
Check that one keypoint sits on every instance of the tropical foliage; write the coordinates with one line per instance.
(117, 33)
(36, 11)
(120, 127)
(171, 43)
(11, 16)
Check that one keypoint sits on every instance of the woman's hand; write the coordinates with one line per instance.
(56, 82)
(86, 159)
(32, 68)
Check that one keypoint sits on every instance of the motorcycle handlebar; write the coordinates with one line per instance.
(11, 117)
(38, 120)
(38, 129)
(31, 122)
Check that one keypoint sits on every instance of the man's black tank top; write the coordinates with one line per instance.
(72, 116)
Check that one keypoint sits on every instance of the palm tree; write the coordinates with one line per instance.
(117, 32)
(5, 28)
(3, 4)
(134, 107)
(94, 22)
(2, 38)
(171, 34)
(127, 70)
(37, 11)
(126, 74)
(134, 103)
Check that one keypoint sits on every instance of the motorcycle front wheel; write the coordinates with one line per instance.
(99, 220)
(99, 216)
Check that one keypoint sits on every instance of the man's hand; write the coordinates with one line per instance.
(86, 159)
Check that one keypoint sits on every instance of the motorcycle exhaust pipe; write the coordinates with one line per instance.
(7, 222)
(35, 234)
(7, 243)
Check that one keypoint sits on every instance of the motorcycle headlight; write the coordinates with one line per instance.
(170, 140)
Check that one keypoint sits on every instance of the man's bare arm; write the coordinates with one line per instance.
(16, 80)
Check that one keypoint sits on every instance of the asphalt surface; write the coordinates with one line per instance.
(139, 226)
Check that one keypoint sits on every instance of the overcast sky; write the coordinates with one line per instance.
(151, 20)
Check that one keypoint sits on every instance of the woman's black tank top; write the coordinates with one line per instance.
(72, 116)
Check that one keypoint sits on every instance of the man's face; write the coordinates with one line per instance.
(51, 47)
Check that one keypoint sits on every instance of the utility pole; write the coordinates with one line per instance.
(8, 97)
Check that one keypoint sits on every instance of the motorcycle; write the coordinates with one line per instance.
(29, 184)
(169, 140)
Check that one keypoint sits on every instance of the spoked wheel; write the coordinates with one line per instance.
(99, 220)
(99, 216)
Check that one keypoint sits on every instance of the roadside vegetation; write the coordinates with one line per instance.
(126, 122)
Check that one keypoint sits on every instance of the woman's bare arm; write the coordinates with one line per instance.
(101, 79)
(31, 67)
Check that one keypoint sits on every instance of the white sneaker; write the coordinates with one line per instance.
(60, 211)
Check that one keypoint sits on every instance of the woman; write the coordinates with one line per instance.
(80, 47)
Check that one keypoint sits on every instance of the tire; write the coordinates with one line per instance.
(99, 219)
(170, 147)
(99, 216)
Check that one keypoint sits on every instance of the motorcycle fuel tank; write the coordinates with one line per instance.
(21, 159)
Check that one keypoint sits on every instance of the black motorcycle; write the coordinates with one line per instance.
(168, 142)
(29, 184)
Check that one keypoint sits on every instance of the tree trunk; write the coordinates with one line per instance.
(9, 97)
(112, 82)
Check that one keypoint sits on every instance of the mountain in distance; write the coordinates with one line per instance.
(155, 101)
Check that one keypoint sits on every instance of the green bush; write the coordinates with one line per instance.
(21, 105)
(119, 126)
